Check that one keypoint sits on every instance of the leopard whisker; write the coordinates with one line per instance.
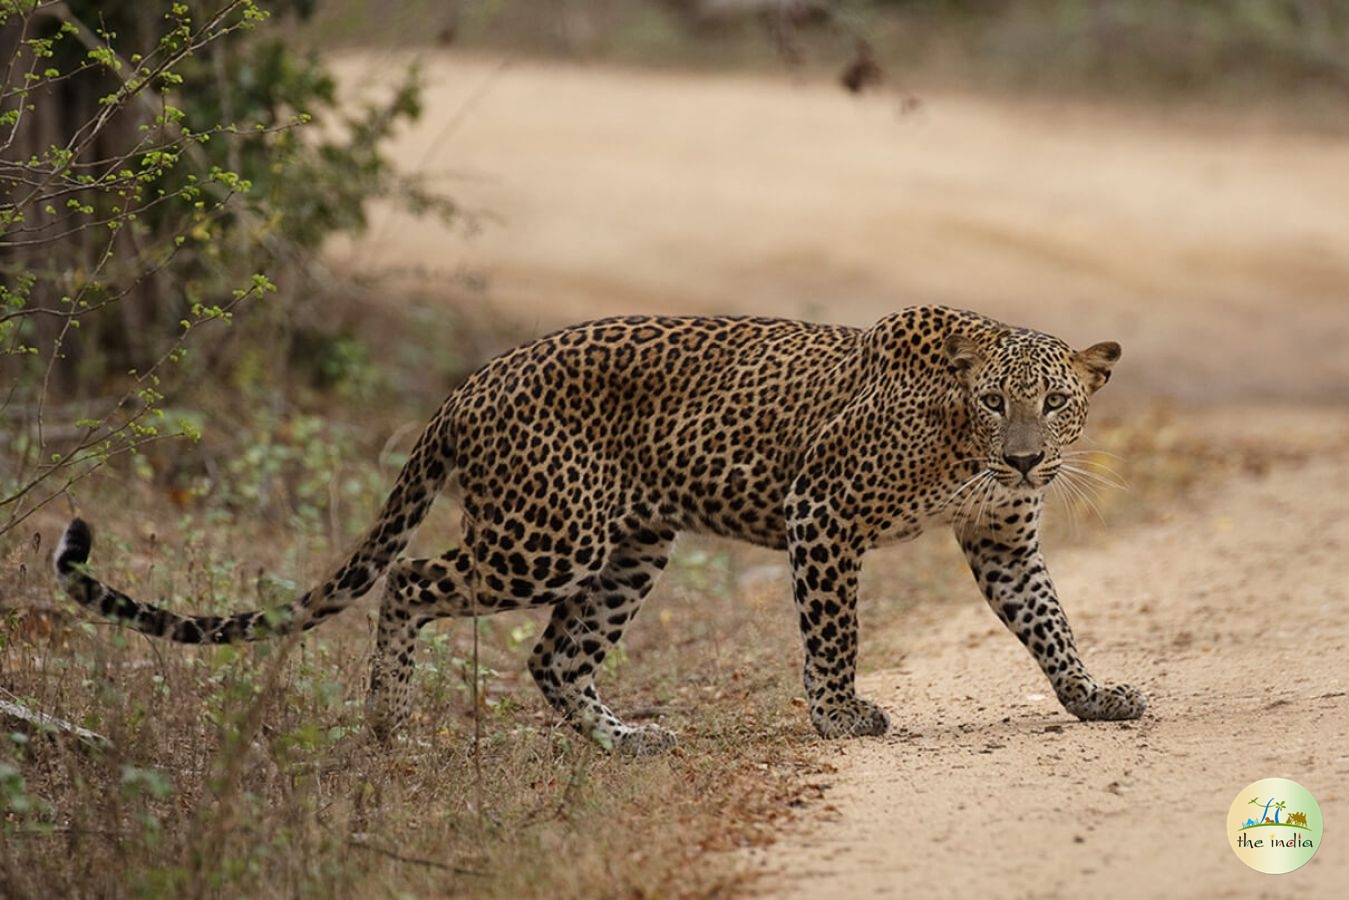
(1060, 493)
(977, 485)
(1092, 455)
(1080, 492)
(1090, 460)
(960, 515)
(1071, 505)
(1101, 479)
(965, 484)
(990, 488)
(1088, 439)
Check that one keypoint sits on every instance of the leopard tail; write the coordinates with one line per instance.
(418, 483)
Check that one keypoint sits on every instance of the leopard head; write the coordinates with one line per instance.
(1027, 395)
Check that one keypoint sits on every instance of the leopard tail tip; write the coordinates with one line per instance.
(74, 548)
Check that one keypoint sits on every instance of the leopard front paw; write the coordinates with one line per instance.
(853, 718)
(1108, 704)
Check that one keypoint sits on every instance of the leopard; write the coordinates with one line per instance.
(580, 456)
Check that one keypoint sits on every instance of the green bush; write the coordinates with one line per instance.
(160, 178)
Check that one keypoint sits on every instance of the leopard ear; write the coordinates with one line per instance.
(1094, 363)
(964, 355)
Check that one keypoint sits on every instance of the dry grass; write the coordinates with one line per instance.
(245, 771)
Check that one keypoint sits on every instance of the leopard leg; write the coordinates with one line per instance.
(826, 561)
(585, 627)
(1004, 555)
(388, 705)
(416, 592)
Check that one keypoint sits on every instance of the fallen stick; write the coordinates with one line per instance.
(18, 715)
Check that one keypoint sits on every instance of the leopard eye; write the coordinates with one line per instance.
(993, 402)
(1055, 401)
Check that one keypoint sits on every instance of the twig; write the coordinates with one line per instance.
(41, 723)
(414, 860)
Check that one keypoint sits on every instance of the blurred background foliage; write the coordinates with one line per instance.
(1223, 47)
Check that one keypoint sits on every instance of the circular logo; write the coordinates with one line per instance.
(1274, 826)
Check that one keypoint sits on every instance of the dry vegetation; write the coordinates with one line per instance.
(245, 770)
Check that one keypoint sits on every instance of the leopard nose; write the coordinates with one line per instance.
(1024, 462)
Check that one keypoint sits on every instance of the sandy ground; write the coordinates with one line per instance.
(985, 788)
(1216, 251)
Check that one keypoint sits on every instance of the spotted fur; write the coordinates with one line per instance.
(583, 454)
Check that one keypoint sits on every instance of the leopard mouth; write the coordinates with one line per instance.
(1027, 482)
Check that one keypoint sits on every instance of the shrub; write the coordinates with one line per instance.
(159, 179)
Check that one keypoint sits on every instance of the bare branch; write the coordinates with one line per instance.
(17, 715)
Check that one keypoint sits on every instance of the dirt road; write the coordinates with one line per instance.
(1196, 245)
(1216, 251)
(1233, 618)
